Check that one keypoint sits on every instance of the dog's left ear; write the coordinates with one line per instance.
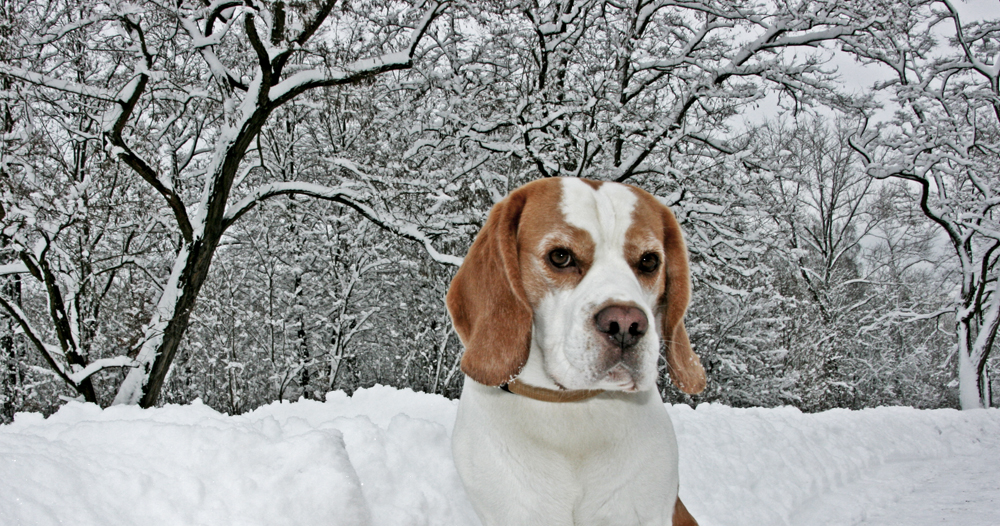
(487, 302)
(684, 365)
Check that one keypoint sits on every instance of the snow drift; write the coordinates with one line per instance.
(383, 457)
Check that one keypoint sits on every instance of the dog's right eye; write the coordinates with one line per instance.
(561, 258)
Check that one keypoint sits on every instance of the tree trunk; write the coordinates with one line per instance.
(973, 375)
(192, 278)
(968, 381)
(165, 331)
(8, 349)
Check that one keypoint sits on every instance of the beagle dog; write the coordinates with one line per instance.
(561, 304)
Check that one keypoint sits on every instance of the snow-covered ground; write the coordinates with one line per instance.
(383, 457)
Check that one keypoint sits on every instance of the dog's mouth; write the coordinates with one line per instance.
(621, 377)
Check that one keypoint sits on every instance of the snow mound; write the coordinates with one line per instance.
(781, 466)
(350, 461)
(383, 457)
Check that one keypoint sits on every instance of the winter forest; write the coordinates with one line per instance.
(256, 200)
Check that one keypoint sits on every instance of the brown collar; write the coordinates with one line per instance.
(550, 395)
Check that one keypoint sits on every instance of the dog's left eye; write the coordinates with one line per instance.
(561, 258)
(649, 262)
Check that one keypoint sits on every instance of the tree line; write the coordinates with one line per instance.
(250, 201)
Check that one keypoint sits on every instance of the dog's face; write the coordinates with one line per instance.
(586, 277)
(593, 275)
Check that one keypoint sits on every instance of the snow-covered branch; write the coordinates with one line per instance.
(67, 86)
(100, 365)
(50, 353)
(347, 195)
(316, 78)
(269, 190)
(13, 268)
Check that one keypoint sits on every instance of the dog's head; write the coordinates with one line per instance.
(584, 276)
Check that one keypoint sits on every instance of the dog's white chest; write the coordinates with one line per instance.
(609, 460)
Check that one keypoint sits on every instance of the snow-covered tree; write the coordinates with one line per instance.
(945, 139)
(261, 198)
(73, 227)
(179, 93)
(814, 286)
(838, 233)
(617, 91)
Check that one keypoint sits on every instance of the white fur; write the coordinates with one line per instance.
(609, 460)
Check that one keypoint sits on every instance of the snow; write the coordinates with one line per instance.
(13, 268)
(383, 457)
(99, 365)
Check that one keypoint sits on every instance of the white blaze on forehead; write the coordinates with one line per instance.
(605, 213)
(567, 350)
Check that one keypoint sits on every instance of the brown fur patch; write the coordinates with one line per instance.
(544, 229)
(681, 515)
(486, 298)
(648, 217)
(504, 274)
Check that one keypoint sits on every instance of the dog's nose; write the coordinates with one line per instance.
(623, 324)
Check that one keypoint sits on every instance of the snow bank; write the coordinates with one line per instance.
(781, 466)
(383, 457)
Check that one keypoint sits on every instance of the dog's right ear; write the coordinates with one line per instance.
(683, 364)
(487, 302)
